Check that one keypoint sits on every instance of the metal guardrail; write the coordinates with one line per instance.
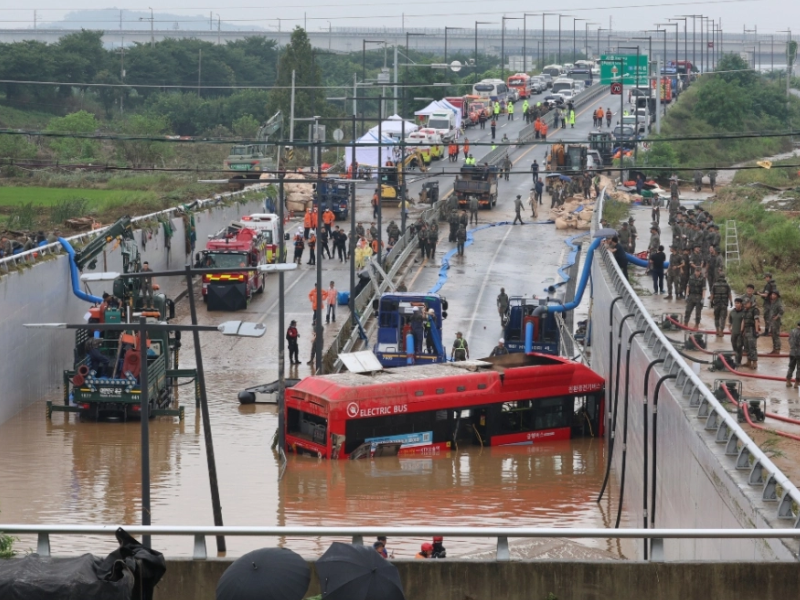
(357, 534)
(32, 256)
(747, 456)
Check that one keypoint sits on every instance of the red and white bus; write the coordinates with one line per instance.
(521, 82)
(425, 410)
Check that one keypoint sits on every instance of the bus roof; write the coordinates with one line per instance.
(528, 374)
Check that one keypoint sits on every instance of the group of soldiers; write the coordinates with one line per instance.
(458, 222)
(579, 185)
(698, 179)
(427, 237)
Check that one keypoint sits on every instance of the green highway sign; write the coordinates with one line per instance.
(612, 65)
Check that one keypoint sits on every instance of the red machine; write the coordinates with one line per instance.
(235, 247)
(516, 399)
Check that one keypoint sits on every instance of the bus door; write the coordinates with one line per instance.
(588, 421)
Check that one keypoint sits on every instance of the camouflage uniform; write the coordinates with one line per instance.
(794, 356)
(775, 316)
(721, 296)
(736, 322)
(750, 320)
(694, 299)
(674, 274)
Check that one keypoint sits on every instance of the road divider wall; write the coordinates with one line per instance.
(40, 291)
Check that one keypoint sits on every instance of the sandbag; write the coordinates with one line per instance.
(561, 223)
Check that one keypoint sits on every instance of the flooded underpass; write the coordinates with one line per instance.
(66, 471)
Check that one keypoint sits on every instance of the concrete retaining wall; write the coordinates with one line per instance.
(478, 580)
(33, 360)
(697, 484)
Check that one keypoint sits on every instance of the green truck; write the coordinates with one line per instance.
(104, 381)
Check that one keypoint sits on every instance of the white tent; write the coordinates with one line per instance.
(367, 156)
(393, 127)
(438, 106)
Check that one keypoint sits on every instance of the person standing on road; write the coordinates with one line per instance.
(461, 239)
(775, 318)
(502, 304)
(482, 120)
(537, 128)
(712, 178)
(324, 235)
(539, 187)
(624, 236)
(794, 357)
(473, 210)
(572, 118)
(466, 148)
(674, 271)
(655, 211)
(312, 297)
(736, 325)
(694, 299)
(752, 328)
(609, 115)
(291, 339)
(330, 300)
(618, 252)
(496, 110)
(657, 260)
(769, 287)
(327, 218)
(510, 110)
(543, 131)
(312, 247)
(307, 223)
(507, 167)
(698, 180)
(299, 246)
(460, 350)
(147, 285)
(535, 170)
(493, 127)
(518, 209)
(721, 300)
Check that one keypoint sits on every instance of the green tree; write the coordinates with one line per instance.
(70, 148)
(144, 152)
(27, 61)
(245, 127)
(298, 56)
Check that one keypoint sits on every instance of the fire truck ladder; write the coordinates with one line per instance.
(731, 243)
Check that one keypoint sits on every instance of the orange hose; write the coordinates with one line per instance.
(761, 427)
(682, 326)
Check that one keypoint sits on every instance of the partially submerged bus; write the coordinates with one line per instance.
(516, 399)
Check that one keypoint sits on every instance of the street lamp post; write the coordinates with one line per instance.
(525, 39)
(503, 44)
(675, 25)
(445, 40)
(476, 45)
(586, 38)
(694, 33)
(574, 42)
(559, 35)
(685, 47)
(755, 40)
(599, 29)
(543, 57)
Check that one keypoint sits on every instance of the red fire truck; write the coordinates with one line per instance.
(267, 225)
(516, 399)
(234, 247)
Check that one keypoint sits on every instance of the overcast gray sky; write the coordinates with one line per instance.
(769, 16)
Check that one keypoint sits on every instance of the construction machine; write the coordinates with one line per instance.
(246, 162)
(392, 176)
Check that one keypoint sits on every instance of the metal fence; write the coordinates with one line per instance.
(29, 257)
(758, 469)
(357, 534)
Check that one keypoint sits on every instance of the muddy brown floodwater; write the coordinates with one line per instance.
(66, 471)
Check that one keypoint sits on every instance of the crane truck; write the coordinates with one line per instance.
(247, 162)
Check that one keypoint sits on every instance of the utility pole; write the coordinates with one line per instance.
(291, 112)
(152, 20)
(199, 69)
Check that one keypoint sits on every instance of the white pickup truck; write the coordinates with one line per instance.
(444, 123)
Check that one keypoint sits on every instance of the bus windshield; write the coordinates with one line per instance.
(483, 87)
(581, 75)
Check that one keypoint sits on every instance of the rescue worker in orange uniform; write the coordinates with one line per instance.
(425, 551)
(466, 148)
(308, 223)
(312, 296)
(543, 130)
(314, 218)
(537, 127)
(328, 218)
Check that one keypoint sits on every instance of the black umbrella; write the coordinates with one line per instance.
(265, 574)
(350, 572)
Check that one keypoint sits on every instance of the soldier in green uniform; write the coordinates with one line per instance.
(794, 357)
(634, 234)
(775, 317)
(422, 239)
(736, 324)
(453, 222)
(502, 304)
(721, 300)
(713, 264)
(624, 236)
(674, 272)
(433, 238)
(769, 287)
(686, 270)
(461, 238)
(694, 299)
(752, 327)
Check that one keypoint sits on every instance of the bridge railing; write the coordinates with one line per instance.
(29, 257)
(757, 469)
(357, 534)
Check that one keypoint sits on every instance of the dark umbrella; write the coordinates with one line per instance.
(349, 572)
(605, 232)
(265, 574)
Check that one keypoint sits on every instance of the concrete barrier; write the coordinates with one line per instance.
(33, 360)
(701, 482)
(527, 580)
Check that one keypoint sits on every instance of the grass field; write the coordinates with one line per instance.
(97, 199)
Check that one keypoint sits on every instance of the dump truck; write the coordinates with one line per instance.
(476, 182)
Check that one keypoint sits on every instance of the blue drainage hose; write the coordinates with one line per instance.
(446, 258)
(75, 274)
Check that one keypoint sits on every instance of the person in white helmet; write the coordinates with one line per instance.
(500, 349)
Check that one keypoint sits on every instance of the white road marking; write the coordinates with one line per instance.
(485, 281)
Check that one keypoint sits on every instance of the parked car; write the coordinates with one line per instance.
(566, 94)
(538, 84)
(634, 121)
(625, 136)
(513, 94)
(548, 79)
(554, 100)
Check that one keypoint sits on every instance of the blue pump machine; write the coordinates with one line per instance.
(395, 345)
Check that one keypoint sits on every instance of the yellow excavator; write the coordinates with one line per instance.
(392, 175)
